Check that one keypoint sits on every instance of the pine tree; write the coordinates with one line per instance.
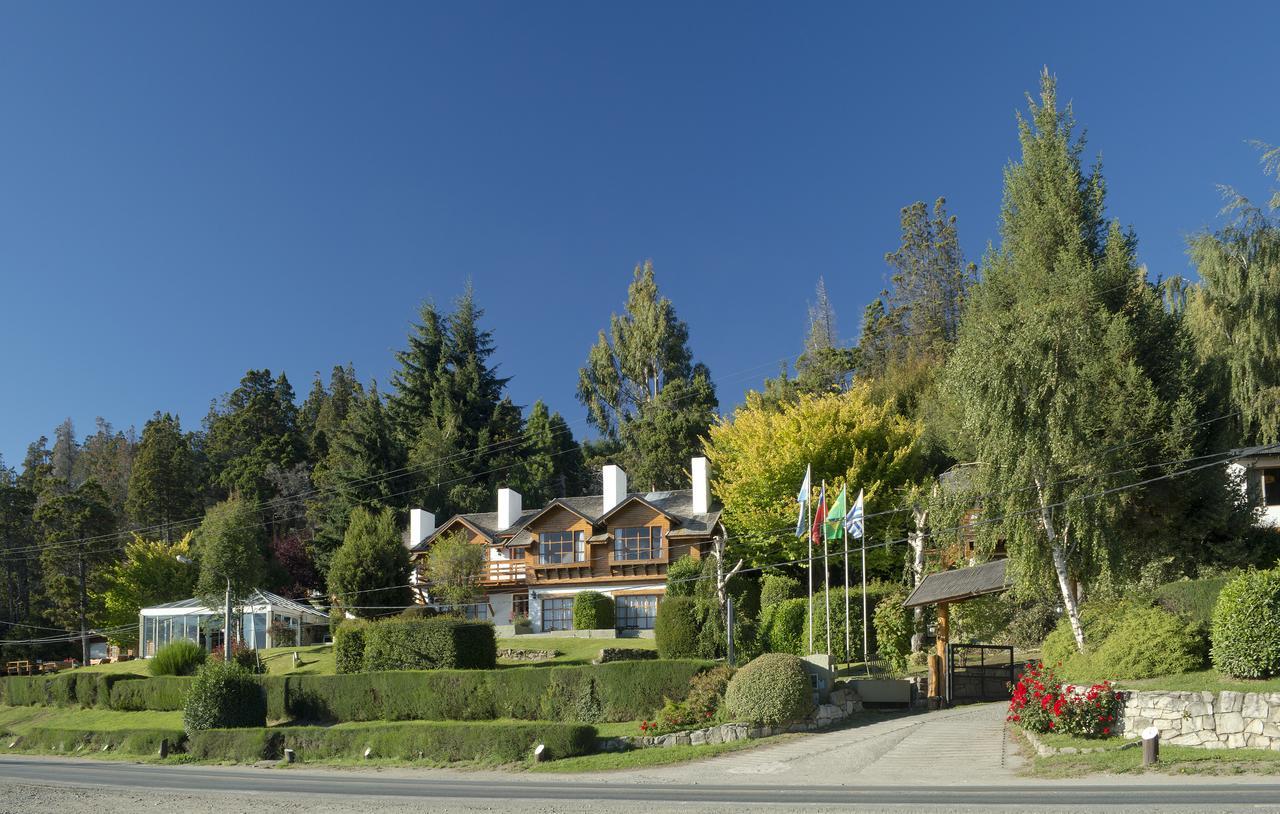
(164, 485)
(826, 365)
(255, 426)
(325, 409)
(106, 456)
(552, 462)
(410, 403)
(364, 467)
(1048, 370)
(65, 452)
(642, 389)
(369, 574)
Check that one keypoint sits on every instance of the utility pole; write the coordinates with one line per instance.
(226, 627)
(84, 634)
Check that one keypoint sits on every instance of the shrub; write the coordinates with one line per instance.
(592, 610)
(1097, 619)
(425, 644)
(893, 630)
(1146, 642)
(26, 691)
(676, 628)
(348, 646)
(772, 689)
(121, 741)
(782, 627)
(224, 696)
(1193, 599)
(775, 588)
(162, 693)
(837, 622)
(177, 658)
(983, 619)
(1030, 620)
(1246, 626)
(609, 654)
(436, 741)
(1041, 702)
(682, 576)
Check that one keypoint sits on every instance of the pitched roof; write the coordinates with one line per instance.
(677, 504)
(1255, 452)
(258, 597)
(960, 584)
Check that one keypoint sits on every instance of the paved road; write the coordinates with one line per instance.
(266, 787)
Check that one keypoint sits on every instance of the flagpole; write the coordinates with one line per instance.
(866, 635)
(848, 644)
(826, 578)
(808, 533)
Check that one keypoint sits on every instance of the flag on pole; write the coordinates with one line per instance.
(835, 514)
(802, 497)
(855, 520)
(819, 516)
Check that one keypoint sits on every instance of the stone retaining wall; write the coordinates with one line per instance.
(843, 702)
(1228, 720)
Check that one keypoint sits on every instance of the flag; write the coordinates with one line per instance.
(802, 497)
(834, 515)
(855, 520)
(819, 516)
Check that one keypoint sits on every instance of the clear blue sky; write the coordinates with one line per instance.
(191, 190)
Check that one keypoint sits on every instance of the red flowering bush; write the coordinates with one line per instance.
(1041, 702)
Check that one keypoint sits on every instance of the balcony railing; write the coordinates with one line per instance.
(503, 573)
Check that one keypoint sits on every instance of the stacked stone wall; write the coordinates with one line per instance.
(1226, 720)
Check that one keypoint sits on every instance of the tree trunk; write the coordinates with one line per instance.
(1057, 545)
(916, 540)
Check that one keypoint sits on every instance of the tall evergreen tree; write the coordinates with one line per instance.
(1054, 370)
(255, 426)
(65, 452)
(106, 456)
(643, 390)
(17, 539)
(410, 404)
(552, 462)
(164, 485)
(364, 467)
(369, 574)
(325, 409)
(826, 364)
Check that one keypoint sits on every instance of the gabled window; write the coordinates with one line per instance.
(562, 547)
(1271, 487)
(638, 543)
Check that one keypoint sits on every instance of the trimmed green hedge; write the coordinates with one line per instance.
(126, 741)
(444, 741)
(775, 588)
(592, 610)
(1192, 598)
(610, 654)
(348, 645)
(161, 693)
(676, 628)
(1246, 626)
(782, 627)
(400, 643)
(64, 690)
(625, 691)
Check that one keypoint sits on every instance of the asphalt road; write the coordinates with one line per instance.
(295, 784)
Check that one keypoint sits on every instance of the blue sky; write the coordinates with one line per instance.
(188, 191)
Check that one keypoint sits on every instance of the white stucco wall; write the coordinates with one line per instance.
(537, 595)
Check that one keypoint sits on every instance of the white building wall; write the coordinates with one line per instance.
(537, 595)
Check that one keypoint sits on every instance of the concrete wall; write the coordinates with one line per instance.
(1227, 720)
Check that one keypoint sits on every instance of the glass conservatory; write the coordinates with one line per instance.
(263, 620)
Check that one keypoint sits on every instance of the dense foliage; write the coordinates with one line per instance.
(676, 628)
(180, 657)
(1246, 626)
(399, 643)
(370, 571)
(775, 588)
(771, 689)
(222, 696)
(782, 627)
(1042, 702)
(592, 610)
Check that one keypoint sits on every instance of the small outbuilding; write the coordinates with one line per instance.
(264, 620)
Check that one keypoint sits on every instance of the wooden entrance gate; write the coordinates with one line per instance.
(978, 672)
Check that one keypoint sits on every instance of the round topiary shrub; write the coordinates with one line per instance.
(1245, 639)
(224, 696)
(1148, 642)
(676, 628)
(592, 610)
(177, 658)
(775, 588)
(772, 689)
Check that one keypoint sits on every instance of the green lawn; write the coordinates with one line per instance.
(135, 666)
(1202, 680)
(571, 650)
(18, 720)
(314, 659)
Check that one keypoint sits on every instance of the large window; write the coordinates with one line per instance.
(561, 547)
(1271, 487)
(638, 543)
(557, 614)
(636, 612)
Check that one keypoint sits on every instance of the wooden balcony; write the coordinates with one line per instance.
(497, 574)
(559, 571)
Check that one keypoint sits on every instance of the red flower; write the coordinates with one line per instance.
(1106, 730)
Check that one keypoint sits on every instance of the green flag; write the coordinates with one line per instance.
(835, 513)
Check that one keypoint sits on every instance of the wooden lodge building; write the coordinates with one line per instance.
(618, 543)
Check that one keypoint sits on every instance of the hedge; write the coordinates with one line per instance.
(444, 741)
(676, 628)
(126, 741)
(609, 654)
(772, 689)
(161, 693)
(402, 643)
(625, 691)
(67, 689)
(775, 588)
(1246, 626)
(782, 627)
(348, 646)
(1192, 598)
(224, 695)
(592, 610)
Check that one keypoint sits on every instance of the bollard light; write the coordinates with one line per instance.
(1150, 746)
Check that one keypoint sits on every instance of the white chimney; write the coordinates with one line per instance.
(422, 524)
(508, 508)
(701, 486)
(615, 486)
